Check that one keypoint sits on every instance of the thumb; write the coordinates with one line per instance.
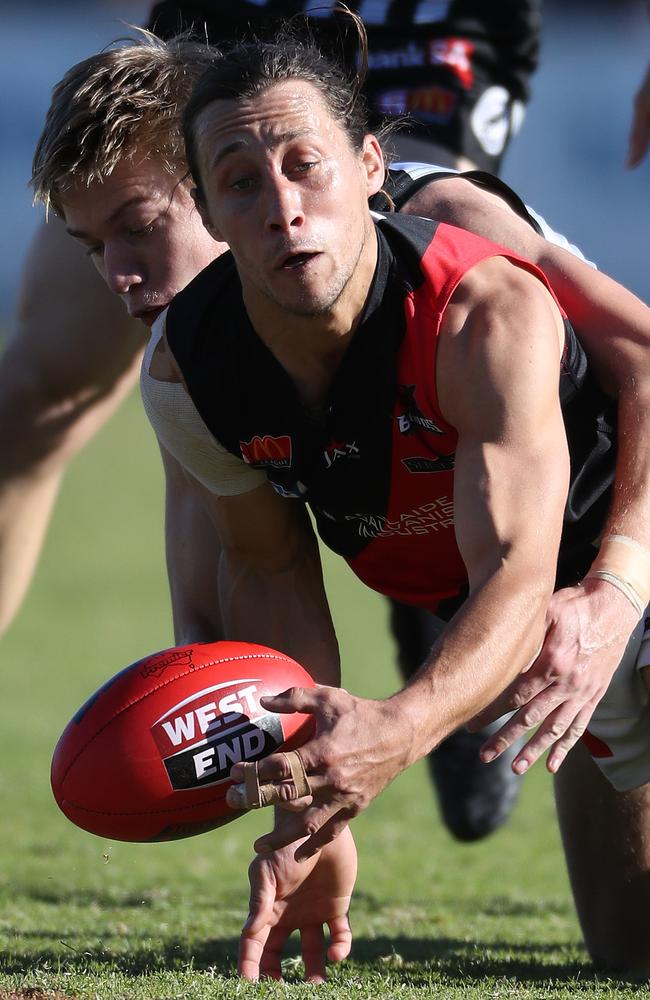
(340, 939)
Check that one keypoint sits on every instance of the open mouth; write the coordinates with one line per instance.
(295, 261)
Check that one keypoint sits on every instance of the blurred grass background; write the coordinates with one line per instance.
(91, 918)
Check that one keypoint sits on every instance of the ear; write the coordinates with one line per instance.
(373, 164)
(202, 209)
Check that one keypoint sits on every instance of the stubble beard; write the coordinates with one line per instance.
(330, 296)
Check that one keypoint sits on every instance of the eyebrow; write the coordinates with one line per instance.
(137, 199)
(239, 144)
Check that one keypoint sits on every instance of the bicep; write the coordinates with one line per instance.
(501, 368)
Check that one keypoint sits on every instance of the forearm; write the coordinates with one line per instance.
(25, 510)
(612, 324)
(192, 552)
(621, 569)
(630, 508)
(614, 329)
(493, 637)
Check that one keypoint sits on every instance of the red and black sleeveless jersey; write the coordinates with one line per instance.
(376, 466)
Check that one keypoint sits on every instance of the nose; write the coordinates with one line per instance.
(121, 271)
(283, 204)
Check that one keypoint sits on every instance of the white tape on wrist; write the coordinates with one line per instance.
(625, 564)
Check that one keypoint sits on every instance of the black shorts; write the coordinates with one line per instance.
(461, 82)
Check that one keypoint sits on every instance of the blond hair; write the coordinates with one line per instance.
(124, 101)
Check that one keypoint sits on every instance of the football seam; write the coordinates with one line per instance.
(163, 684)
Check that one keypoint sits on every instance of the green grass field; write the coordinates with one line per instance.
(83, 917)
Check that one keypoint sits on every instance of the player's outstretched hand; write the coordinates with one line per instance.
(640, 131)
(588, 628)
(359, 747)
(287, 896)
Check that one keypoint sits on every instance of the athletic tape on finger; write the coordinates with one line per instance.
(257, 796)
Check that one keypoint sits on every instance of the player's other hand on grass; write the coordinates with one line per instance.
(359, 746)
(640, 130)
(287, 896)
(587, 630)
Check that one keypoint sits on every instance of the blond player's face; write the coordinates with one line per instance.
(143, 233)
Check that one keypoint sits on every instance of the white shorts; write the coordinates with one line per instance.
(618, 736)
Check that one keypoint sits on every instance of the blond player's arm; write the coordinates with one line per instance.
(71, 358)
(612, 323)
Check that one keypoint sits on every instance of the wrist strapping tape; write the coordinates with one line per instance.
(625, 563)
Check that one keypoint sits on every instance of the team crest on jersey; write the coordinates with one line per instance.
(419, 464)
(267, 452)
(412, 417)
(340, 449)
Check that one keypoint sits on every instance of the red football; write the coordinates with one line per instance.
(148, 756)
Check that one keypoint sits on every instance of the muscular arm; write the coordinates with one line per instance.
(497, 376)
(587, 627)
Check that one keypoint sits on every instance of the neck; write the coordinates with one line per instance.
(310, 348)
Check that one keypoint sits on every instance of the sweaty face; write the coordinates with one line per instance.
(283, 187)
(142, 230)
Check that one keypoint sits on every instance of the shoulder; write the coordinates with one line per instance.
(499, 350)
(500, 305)
(499, 279)
(501, 324)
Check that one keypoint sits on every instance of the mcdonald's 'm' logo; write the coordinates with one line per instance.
(272, 451)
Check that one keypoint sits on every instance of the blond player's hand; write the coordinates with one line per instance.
(640, 130)
(287, 896)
